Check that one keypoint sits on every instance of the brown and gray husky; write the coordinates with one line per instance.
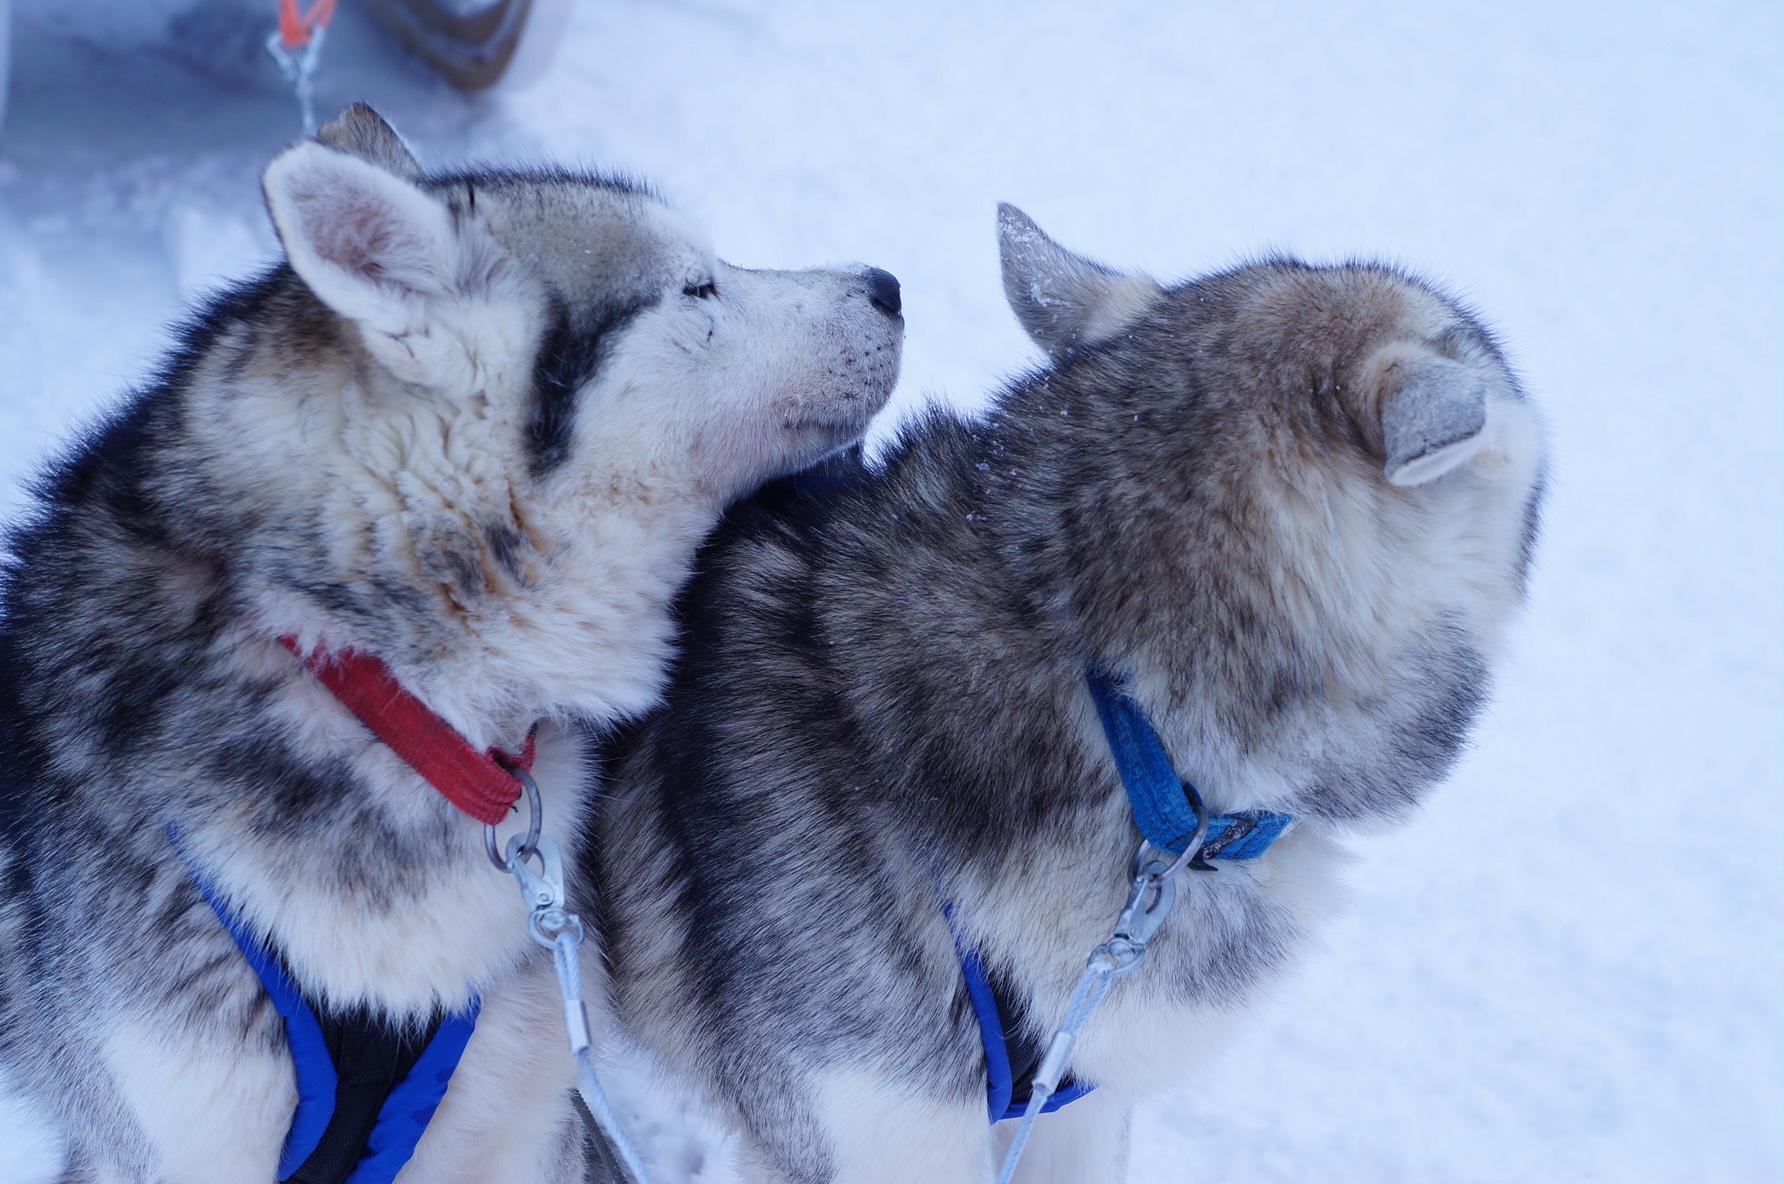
(474, 426)
(1290, 508)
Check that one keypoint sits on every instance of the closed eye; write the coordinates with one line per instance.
(701, 291)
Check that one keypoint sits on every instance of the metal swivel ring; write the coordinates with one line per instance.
(534, 822)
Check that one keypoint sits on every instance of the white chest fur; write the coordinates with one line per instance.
(398, 908)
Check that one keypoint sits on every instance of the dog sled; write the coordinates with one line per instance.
(473, 44)
(476, 45)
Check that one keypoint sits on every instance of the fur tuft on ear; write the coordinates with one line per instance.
(360, 131)
(1062, 299)
(1433, 417)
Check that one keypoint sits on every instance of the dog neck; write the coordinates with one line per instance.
(1255, 660)
(497, 595)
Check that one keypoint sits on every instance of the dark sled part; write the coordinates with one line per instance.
(476, 50)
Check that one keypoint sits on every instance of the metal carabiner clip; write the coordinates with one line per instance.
(543, 891)
(1151, 895)
(1149, 901)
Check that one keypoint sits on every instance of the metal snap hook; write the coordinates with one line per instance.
(548, 916)
(1149, 902)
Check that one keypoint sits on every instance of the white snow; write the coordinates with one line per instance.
(1568, 968)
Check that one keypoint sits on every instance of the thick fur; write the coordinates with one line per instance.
(1292, 506)
(476, 426)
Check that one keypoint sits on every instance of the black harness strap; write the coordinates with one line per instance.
(1022, 1050)
(371, 1055)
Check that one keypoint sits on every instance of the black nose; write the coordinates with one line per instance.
(882, 289)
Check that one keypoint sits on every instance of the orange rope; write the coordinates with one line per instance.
(295, 29)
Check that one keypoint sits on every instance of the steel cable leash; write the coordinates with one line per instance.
(560, 931)
(1149, 901)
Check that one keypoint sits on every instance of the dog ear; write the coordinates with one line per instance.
(1063, 300)
(1433, 417)
(360, 131)
(374, 248)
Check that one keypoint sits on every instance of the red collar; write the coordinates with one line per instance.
(477, 783)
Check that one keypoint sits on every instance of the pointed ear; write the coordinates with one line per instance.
(360, 131)
(371, 246)
(1433, 417)
(1064, 300)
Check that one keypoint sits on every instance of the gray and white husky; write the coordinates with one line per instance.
(475, 426)
(1290, 507)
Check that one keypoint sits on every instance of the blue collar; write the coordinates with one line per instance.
(1166, 807)
(1166, 810)
(334, 1136)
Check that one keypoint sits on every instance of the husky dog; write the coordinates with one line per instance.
(475, 426)
(1291, 508)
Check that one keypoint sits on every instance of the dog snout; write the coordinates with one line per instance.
(882, 290)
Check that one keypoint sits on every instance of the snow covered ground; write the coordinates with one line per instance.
(1567, 969)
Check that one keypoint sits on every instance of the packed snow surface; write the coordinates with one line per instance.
(1567, 967)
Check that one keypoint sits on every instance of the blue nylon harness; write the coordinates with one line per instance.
(1008, 1073)
(1167, 810)
(404, 1112)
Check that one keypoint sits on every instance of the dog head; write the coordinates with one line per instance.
(1322, 482)
(584, 310)
(509, 404)
(1420, 394)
